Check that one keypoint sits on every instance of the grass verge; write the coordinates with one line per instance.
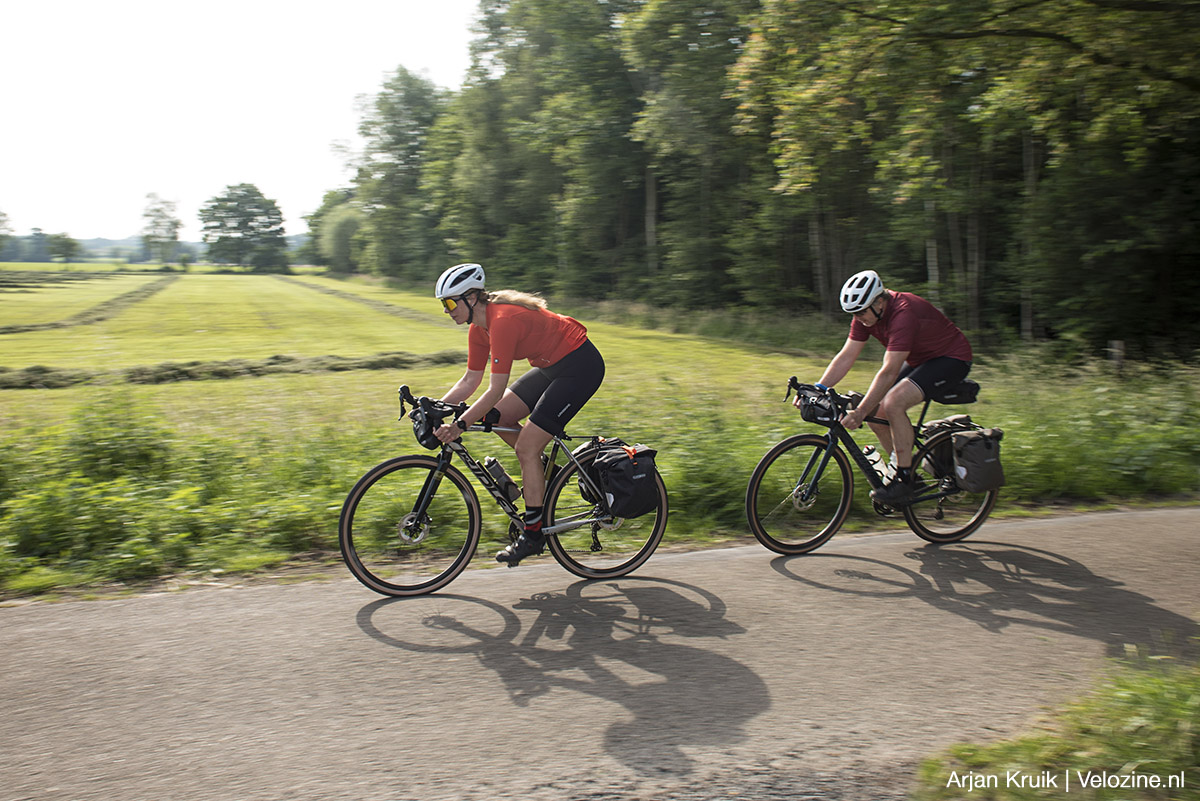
(1135, 737)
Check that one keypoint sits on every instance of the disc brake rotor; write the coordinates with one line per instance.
(410, 531)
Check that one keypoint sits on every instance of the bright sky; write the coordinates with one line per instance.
(103, 102)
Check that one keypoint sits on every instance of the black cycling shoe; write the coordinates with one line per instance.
(526, 545)
(895, 494)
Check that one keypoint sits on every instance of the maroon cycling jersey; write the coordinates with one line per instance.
(911, 323)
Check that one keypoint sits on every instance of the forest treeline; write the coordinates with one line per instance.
(1033, 166)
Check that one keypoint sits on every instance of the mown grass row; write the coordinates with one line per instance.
(38, 377)
(101, 311)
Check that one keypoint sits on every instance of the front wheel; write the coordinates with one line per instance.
(943, 512)
(396, 548)
(597, 545)
(794, 506)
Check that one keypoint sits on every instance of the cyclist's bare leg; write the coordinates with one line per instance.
(894, 408)
(529, 446)
(884, 433)
(512, 411)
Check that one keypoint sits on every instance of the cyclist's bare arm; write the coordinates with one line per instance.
(465, 387)
(488, 400)
(476, 411)
(842, 362)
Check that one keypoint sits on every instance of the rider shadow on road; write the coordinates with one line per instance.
(998, 585)
(617, 640)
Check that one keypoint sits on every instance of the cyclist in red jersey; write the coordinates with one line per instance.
(924, 351)
(567, 369)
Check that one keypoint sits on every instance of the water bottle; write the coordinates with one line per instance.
(876, 461)
(507, 485)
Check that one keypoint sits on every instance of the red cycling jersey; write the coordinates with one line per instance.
(515, 332)
(911, 323)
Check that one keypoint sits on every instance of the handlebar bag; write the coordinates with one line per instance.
(423, 428)
(816, 408)
(626, 474)
(977, 459)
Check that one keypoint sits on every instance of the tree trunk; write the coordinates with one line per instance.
(932, 268)
(651, 221)
(975, 248)
(1031, 161)
(816, 247)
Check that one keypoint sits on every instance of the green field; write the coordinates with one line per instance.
(137, 471)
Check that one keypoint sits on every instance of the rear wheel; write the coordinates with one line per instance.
(392, 549)
(948, 513)
(601, 546)
(792, 509)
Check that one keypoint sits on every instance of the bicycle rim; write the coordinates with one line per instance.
(600, 550)
(956, 515)
(790, 509)
(394, 552)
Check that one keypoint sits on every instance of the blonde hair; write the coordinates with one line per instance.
(512, 297)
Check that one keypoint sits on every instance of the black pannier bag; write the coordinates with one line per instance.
(626, 475)
(977, 459)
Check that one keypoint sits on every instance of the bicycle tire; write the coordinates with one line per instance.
(779, 518)
(955, 516)
(396, 559)
(600, 550)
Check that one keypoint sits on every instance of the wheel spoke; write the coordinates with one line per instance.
(624, 543)
(396, 548)
(812, 508)
(946, 513)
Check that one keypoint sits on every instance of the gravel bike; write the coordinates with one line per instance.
(799, 493)
(412, 523)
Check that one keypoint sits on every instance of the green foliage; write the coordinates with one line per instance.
(1143, 721)
(245, 228)
(757, 152)
(339, 245)
(160, 235)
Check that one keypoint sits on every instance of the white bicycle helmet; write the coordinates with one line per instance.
(457, 280)
(860, 291)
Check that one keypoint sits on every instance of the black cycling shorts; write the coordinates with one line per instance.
(937, 374)
(557, 393)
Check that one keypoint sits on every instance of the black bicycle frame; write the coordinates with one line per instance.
(839, 434)
(434, 480)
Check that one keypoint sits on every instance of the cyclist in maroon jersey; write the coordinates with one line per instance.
(924, 351)
(567, 369)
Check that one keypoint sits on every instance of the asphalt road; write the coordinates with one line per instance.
(708, 675)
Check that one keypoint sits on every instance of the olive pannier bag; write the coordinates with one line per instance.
(977, 459)
(940, 460)
(626, 475)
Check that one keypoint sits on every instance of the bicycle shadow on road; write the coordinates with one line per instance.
(1000, 585)
(617, 640)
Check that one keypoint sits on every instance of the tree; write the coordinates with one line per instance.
(38, 249)
(63, 247)
(5, 230)
(161, 232)
(311, 251)
(244, 228)
(397, 228)
(339, 245)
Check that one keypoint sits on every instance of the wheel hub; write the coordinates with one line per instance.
(412, 530)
